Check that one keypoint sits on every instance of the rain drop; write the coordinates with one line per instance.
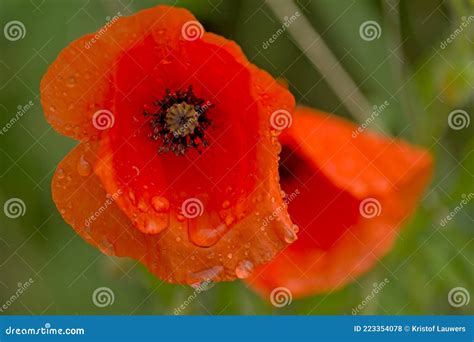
(71, 82)
(160, 204)
(244, 269)
(83, 167)
(60, 174)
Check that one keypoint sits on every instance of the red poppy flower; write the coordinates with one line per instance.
(177, 165)
(349, 192)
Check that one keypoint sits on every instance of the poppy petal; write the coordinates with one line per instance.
(232, 185)
(78, 84)
(353, 191)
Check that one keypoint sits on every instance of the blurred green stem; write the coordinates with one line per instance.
(316, 50)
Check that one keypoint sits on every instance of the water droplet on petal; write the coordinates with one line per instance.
(225, 205)
(143, 205)
(229, 219)
(132, 197)
(60, 174)
(204, 275)
(289, 235)
(157, 224)
(83, 167)
(204, 236)
(160, 204)
(244, 269)
(71, 82)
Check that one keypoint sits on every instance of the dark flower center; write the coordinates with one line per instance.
(179, 122)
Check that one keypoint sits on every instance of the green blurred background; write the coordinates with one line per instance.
(405, 66)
